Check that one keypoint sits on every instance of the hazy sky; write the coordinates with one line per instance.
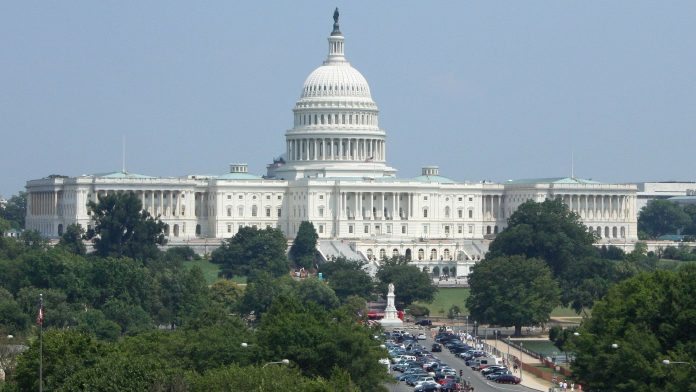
(491, 90)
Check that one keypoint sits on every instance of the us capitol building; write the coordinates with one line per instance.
(334, 173)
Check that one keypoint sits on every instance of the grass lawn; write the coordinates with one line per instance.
(543, 347)
(445, 298)
(210, 270)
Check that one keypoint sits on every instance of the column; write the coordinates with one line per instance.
(340, 148)
(381, 207)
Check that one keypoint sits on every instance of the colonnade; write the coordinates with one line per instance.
(493, 207)
(43, 203)
(376, 205)
(600, 207)
(333, 149)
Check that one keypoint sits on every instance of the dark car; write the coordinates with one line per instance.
(424, 322)
(507, 379)
(493, 369)
(427, 387)
(436, 348)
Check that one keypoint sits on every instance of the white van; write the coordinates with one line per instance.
(483, 362)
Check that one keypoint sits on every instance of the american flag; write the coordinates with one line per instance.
(40, 315)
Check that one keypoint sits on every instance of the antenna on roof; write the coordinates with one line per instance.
(123, 153)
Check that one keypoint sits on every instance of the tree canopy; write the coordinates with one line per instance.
(512, 291)
(642, 321)
(660, 217)
(410, 283)
(71, 240)
(252, 250)
(548, 231)
(304, 246)
(123, 228)
(348, 278)
(15, 211)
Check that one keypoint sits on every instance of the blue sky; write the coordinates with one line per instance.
(490, 90)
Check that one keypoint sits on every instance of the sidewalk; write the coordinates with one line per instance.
(528, 379)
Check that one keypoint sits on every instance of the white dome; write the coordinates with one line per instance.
(336, 80)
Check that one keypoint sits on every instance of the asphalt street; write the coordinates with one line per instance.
(479, 383)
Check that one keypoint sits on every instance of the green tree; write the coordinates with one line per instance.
(94, 322)
(661, 217)
(642, 321)
(65, 352)
(547, 231)
(13, 320)
(72, 241)
(314, 290)
(348, 278)
(410, 283)
(123, 228)
(304, 246)
(15, 211)
(252, 250)
(512, 291)
(319, 341)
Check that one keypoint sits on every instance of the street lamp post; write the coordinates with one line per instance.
(668, 362)
(521, 345)
(281, 362)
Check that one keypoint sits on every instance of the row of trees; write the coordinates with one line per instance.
(130, 317)
(661, 217)
(544, 258)
(13, 213)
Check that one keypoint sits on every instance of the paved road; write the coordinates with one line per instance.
(479, 383)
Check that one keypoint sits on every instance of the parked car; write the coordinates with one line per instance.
(427, 387)
(493, 369)
(424, 322)
(507, 379)
(451, 386)
(436, 348)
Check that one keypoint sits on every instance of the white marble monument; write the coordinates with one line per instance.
(391, 317)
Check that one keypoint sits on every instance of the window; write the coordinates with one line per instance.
(460, 229)
(367, 229)
(459, 199)
(389, 228)
(241, 197)
(471, 198)
(425, 229)
(240, 211)
(350, 229)
(254, 210)
(447, 212)
(471, 213)
(425, 197)
(321, 197)
(268, 197)
(421, 254)
(447, 230)
(268, 212)
(395, 252)
(229, 211)
(321, 229)
(471, 229)
(425, 212)
(403, 229)
(229, 228)
(280, 197)
(460, 213)
(321, 211)
(433, 254)
(279, 213)
(229, 197)
(382, 253)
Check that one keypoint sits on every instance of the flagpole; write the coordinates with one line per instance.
(40, 342)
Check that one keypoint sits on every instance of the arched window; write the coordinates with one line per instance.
(229, 211)
(421, 254)
(623, 232)
(425, 212)
(369, 254)
(599, 232)
(395, 252)
(614, 232)
(495, 229)
(447, 212)
(408, 254)
(198, 229)
(433, 254)
(445, 271)
(60, 229)
(471, 213)
(436, 271)
(606, 231)
(254, 210)
(176, 230)
(488, 230)
(382, 254)
(446, 253)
